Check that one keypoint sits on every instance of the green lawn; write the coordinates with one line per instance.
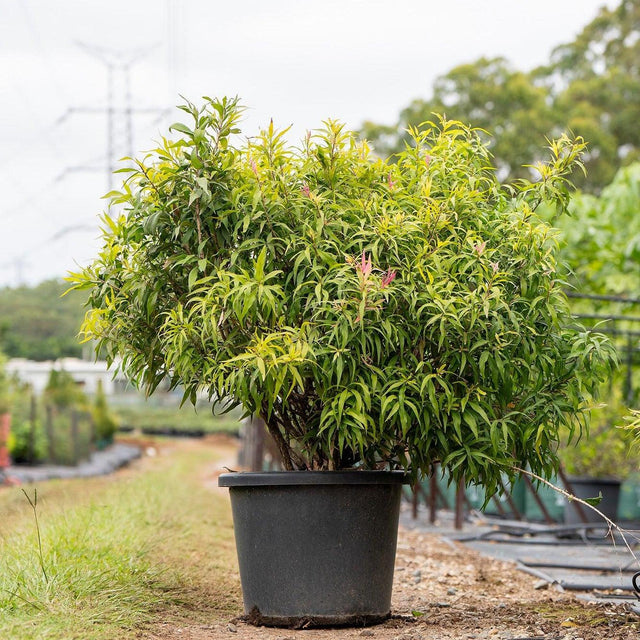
(118, 553)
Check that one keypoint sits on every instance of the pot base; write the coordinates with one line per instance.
(307, 622)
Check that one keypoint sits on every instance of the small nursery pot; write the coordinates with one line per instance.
(590, 488)
(5, 424)
(316, 548)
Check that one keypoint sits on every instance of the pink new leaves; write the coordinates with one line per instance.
(480, 247)
(365, 268)
(387, 278)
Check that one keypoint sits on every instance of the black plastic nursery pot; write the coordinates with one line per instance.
(316, 548)
(585, 487)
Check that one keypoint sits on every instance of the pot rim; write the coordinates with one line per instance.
(289, 478)
(609, 480)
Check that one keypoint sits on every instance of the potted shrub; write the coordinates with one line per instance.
(379, 316)
(599, 461)
(5, 417)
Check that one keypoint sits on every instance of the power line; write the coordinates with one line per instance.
(52, 77)
(95, 163)
(120, 114)
(20, 262)
(35, 34)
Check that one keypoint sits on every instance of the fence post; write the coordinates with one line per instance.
(460, 499)
(33, 417)
(414, 501)
(256, 455)
(75, 445)
(49, 431)
(5, 424)
(92, 433)
(433, 491)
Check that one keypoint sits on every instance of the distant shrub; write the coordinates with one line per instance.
(104, 421)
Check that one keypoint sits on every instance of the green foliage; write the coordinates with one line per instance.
(590, 87)
(26, 441)
(62, 391)
(599, 250)
(633, 426)
(104, 421)
(600, 241)
(375, 314)
(606, 451)
(38, 323)
(21, 449)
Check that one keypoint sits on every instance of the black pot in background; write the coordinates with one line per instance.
(316, 548)
(592, 488)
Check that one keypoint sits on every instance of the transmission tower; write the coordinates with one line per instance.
(120, 114)
(119, 109)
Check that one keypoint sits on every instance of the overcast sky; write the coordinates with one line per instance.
(298, 61)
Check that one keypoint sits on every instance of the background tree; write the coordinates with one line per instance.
(594, 82)
(62, 391)
(488, 94)
(590, 87)
(38, 323)
(105, 422)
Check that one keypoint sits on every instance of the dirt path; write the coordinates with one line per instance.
(443, 591)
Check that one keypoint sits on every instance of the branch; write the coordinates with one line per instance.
(199, 229)
(283, 447)
(290, 459)
(611, 524)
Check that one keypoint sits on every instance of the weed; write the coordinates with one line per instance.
(34, 504)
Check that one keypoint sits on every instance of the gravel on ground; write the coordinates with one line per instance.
(444, 590)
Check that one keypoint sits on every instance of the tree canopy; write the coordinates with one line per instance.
(590, 87)
(38, 323)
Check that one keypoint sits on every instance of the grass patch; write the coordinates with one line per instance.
(118, 554)
(575, 614)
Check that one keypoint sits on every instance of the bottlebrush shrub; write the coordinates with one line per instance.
(375, 314)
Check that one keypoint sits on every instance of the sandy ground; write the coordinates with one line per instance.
(442, 591)
(446, 591)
